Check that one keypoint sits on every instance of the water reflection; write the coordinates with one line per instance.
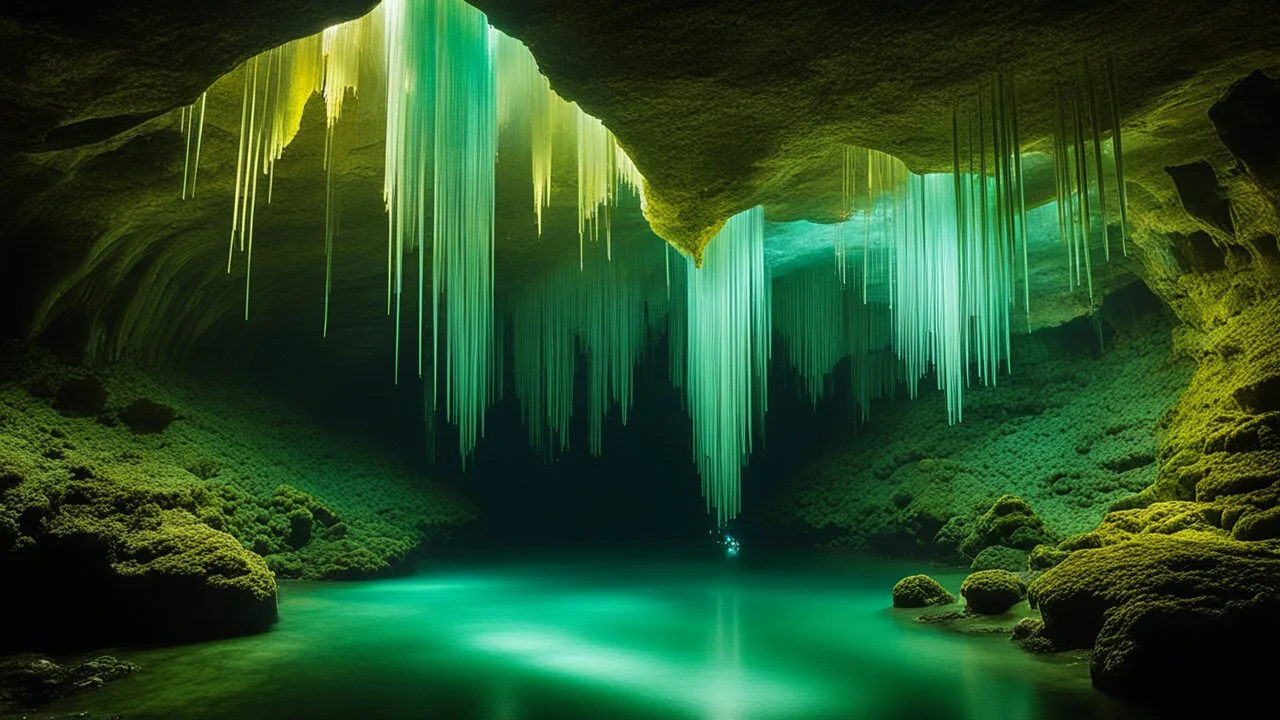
(627, 641)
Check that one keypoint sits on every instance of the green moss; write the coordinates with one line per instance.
(1019, 437)
(198, 508)
(179, 545)
(992, 592)
(1011, 522)
(1043, 557)
(917, 591)
(1029, 635)
(1258, 525)
(998, 557)
(1154, 607)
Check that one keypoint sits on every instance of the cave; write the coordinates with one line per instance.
(572, 358)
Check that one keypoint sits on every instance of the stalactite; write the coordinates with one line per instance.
(599, 315)
(728, 350)
(466, 133)
(278, 84)
(1099, 174)
(604, 169)
(192, 126)
(1113, 96)
(345, 48)
(949, 287)
(528, 105)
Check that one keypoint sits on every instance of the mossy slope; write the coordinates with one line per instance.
(1069, 432)
(184, 532)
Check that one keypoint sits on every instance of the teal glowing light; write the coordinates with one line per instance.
(624, 640)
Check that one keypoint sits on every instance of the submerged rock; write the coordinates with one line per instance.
(28, 681)
(917, 591)
(992, 592)
(1029, 635)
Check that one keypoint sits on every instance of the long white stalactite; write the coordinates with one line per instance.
(729, 333)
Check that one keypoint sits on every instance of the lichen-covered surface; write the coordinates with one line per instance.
(237, 491)
(27, 681)
(1070, 432)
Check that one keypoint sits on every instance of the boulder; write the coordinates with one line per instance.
(999, 557)
(1009, 522)
(108, 561)
(992, 592)
(917, 591)
(1192, 610)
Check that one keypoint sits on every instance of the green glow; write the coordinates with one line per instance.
(466, 138)
(728, 357)
(580, 640)
(934, 294)
(604, 311)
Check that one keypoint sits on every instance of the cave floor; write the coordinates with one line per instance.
(623, 638)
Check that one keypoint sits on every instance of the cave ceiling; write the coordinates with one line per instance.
(722, 106)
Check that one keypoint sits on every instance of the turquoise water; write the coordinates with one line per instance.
(619, 640)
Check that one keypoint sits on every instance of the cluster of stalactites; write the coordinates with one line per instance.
(821, 320)
(450, 81)
(933, 257)
(527, 104)
(959, 242)
(598, 318)
(729, 332)
(1078, 139)
(441, 146)
(277, 85)
(603, 168)
(191, 124)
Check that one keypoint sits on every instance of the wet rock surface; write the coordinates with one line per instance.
(30, 681)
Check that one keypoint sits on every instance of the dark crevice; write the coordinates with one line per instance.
(1246, 119)
(1198, 190)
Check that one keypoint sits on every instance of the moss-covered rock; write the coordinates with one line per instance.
(992, 592)
(108, 560)
(1185, 610)
(1029, 635)
(28, 681)
(917, 591)
(999, 557)
(1043, 557)
(125, 538)
(1010, 522)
